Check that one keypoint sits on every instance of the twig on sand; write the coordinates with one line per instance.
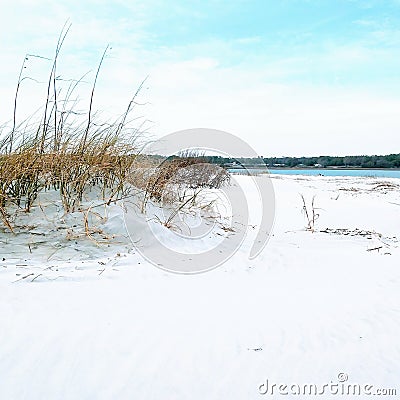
(375, 248)
(37, 276)
(24, 277)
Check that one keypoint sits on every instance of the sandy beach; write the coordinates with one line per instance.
(98, 322)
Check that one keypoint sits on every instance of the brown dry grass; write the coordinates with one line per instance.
(73, 155)
(166, 182)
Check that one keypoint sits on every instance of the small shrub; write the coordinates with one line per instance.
(310, 213)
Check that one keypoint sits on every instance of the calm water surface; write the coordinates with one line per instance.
(385, 173)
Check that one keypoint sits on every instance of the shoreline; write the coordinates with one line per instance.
(316, 168)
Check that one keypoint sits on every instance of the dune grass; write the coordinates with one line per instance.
(72, 152)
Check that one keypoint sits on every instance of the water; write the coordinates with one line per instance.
(384, 173)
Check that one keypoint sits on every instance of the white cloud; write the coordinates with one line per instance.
(191, 86)
(278, 119)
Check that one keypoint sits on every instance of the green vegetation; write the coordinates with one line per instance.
(386, 161)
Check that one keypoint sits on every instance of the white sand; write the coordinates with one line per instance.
(310, 306)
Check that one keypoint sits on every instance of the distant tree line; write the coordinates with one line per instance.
(386, 161)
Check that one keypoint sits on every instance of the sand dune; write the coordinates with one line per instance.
(99, 322)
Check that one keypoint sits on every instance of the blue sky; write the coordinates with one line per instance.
(292, 77)
(363, 35)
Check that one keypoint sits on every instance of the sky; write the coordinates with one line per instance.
(290, 77)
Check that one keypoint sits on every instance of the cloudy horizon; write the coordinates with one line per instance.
(292, 78)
